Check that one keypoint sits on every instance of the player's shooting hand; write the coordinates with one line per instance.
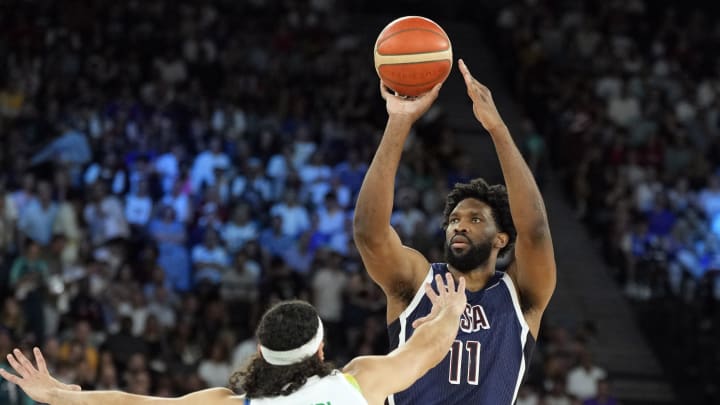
(448, 299)
(411, 108)
(37, 383)
(483, 104)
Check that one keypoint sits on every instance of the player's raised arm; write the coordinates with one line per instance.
(380, 376)
(534, 268)
(39, 385)
(383, 254)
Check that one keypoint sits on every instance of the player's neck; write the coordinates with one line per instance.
(477, 278)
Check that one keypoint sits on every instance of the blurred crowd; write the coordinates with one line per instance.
(627, 96)
(171, 168)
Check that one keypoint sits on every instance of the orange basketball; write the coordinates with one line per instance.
(413, 54)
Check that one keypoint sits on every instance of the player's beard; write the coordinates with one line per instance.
(475, 256)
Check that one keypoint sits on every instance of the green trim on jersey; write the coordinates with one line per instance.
(351, 379)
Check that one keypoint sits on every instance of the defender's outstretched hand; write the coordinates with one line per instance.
(447, 299)
(410, 107)
(37, 383)
(483, 104)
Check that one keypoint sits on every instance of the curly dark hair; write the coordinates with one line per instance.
(495, 196)
(285, 326)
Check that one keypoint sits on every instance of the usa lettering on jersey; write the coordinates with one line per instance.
(474, 319)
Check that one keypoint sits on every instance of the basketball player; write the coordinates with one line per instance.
(289, 367)
(490, 354)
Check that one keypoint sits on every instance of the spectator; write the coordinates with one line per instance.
(300, 256)
(8, 233)
(179, 200)
(27, 277)
(37, 218)
(240, 229)
(239, 288)
(603, 396)
(328, 286)
(80, 348)
(215, 368)
(105, 218)
(171, 236)
(557, 395)
(123, 343)
(203, 170)
(273, 240)
(582, 380)
(209, 259)
(139, 206)
(295, 218)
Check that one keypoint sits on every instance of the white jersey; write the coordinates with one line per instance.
(334, 389)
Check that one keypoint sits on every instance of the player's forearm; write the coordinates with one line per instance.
(67, 397)
(526, 203)
(375, 200)
(435, 337)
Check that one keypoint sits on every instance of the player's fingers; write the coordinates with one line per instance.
(19, 368)
(419, 322)
(442, 288)
(450, 282)
(467, 76)
(74, 387)
(40, 360)
(464, 71)
(436, 89)
(24, 360)
(461, 285)
(10, 377)
(383, 90)
(430, 292)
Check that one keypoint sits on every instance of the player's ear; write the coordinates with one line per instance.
(321, 351)
(501, 240)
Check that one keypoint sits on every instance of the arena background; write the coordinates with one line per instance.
(170, 168)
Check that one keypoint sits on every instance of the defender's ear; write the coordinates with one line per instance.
(501, 240)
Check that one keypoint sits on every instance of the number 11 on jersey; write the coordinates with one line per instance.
(456, 361)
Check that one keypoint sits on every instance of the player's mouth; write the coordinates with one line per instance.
(459, 242)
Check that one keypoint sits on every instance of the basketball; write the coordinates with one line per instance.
(413, 54)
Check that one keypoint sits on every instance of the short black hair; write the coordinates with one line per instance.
(495, 196)
(286, 326)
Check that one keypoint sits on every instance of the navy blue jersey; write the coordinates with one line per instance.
(487, 361)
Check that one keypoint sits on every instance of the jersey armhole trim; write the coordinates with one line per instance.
(413, 304)
(525, 331)
(351, 379)
(515, 300)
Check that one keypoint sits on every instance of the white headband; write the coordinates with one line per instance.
(287, 357)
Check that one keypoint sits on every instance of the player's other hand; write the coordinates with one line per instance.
(411, 108)
(483, 104)
(37, 382)
(448, 299)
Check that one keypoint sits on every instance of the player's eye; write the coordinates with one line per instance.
(476, 220)
(454, 220)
